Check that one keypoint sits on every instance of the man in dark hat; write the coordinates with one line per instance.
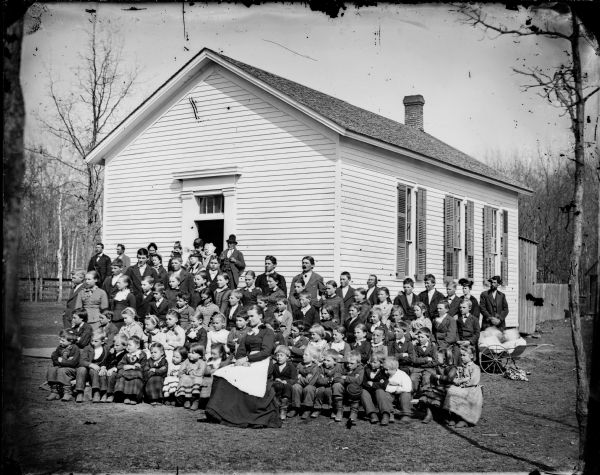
(493, 305)
(232, 262)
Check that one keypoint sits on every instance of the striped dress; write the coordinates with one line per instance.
(171, 381)
(190, 378)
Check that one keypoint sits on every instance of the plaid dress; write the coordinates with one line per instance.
(190, 378)
(155, 380)
(130, 382)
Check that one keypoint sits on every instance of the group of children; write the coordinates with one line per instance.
(166, 349)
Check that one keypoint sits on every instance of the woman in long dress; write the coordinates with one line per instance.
(242, 394)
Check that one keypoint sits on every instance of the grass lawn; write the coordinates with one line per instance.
(525, 425)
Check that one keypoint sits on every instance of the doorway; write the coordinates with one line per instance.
(211, 231)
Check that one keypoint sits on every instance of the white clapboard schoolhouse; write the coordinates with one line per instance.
(226, 148)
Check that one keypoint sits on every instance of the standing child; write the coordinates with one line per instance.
(81, 329)
(237, 333)
(108, 372)
(285, 376)
(123, 297)
(307, 313)
(375, 379)
(218, 334)
(303, 391)
(399, 387)
(65, 359)
(207, 308)
(195, 333)
(221, 294)
(155, 375)
(339, 345)
(183, 309)
(349, 387)
(297, 342)
(131, 327)
(92, 358)
(160, 305)
(331, 372)
(108, 327)
(190, 375)
(147, 297)
(171, 381)
(131, 369)
(361, 344)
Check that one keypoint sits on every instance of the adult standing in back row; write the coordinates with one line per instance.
(137, 273)
(493, 305)
(261, 280)
(100, 262)
(313, 282)
(232, 262)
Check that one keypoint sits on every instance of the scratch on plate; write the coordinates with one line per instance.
(290, 50)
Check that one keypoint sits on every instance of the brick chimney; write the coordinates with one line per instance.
(413, 111)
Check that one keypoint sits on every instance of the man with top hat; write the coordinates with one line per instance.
(493, 305)
(232, 262)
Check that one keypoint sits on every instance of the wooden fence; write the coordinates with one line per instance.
(552, 301)
(44, 290)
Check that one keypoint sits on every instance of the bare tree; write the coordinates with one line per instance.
(566, 87)
(86, 113)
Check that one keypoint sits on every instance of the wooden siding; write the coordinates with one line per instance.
(369, 195)
(284, 196)
(527, 282)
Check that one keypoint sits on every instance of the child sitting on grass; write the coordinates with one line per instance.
(331, 372)
(171, 381)
(218, 358)
(375, 379)
(92, 359)
(349, 387)
(297, 342)
(131, 369)
(285, 376)
(399, 386)
(304, 390)
(108, 372)
(65, 359)
(190, 375)
(155, 375)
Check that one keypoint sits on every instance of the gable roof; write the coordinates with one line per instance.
(349, 118)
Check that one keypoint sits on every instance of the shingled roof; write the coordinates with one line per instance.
(369, 124)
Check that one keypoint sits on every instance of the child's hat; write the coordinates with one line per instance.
(354, 390)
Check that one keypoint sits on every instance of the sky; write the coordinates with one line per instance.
(371, 57)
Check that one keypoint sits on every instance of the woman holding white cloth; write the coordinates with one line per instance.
(242, 394)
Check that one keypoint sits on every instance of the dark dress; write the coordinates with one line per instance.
(230, 406)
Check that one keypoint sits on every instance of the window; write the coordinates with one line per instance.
(411, 239)
(469, 239)
(210, 204)
(421, 234)
(454, 246)
(504, 248)
(495, 243)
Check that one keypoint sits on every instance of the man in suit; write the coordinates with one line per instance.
(77, 278)
(453, 299)
(346, 293)
(125, 260)
(493, 305)
(313, 282)
(110, 283)
(407, 299)
(431, 297)
(232, 262)
(137, 272)
(100, 262)
(372, 289)
(261, 280)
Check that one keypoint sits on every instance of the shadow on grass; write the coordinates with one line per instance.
(538, 416)
(480, 446)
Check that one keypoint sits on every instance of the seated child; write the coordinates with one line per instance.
(191, 373)
(92, 358)
(173, 291)
(81, 328)
(155, 374)
(375, 378)
(183, 309)
(424, 363)
(376, 322)
(361, 344)
(153, 333)
(297, 342)
(207, 308)
(108, 372)
(131, 369)
(234, 308)
(294, 300)
(237, 333)
(131, 327)
(65, 360)
(160, 305)
(307, 313)
(331, 372)
(303, 391)
(328, 321)
(171, 381)
(317, 339)
(200, 280)
(174, 334)
(378, 346)
(195, 333)
(399, 387)
(279, 338)
(421, 320)
(283, 316)
(339, 344)
(402, 348)
(144, 306)
(218, 359)
(285, 375)
(218, 334)
(250, 293)
(221, 293)
(107, 327)
(349, 387)
(263, 303)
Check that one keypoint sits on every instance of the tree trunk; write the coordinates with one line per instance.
(582, 393)
(59, 251)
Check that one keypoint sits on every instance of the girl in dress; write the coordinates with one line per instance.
(171, 381)
(196, 333)
(218, 358)
(284, 317)
(251, 292)
(221, 294)
(92, 298)
(191, 373)
(384, 302)
(339, 344)
(157, 370)
(207, 308)
(152, 332)
(130, 372)
(131, 327)
(124, 297)
(421, 320)
(328, 320)
(317, 342)
(174, 334)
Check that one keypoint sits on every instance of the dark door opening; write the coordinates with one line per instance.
(211, 231)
